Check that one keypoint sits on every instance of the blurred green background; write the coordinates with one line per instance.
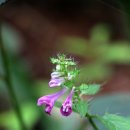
(95, 33)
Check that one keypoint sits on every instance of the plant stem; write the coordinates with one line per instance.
(9, 84)
(91, 121)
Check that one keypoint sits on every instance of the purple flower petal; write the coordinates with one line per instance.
(49, 100)
(56, 74)
(66, 108)
(56, 82)
(48, 109)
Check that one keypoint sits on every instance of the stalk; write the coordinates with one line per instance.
(9, 84)
(91, 121)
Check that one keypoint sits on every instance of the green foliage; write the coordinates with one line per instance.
(100, 35)
(63, 60)
(75, 45)
(119, 52)
(69, 84)
(99, 51)
(55, 61)
(94, 71)
(81, 107)
(29, 113)
(115, 122)
(73, 73)
(89, 89)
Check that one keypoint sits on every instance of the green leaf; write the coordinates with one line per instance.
(115, 122)
(118, 52)
(81, 107)
(75, 72)
(100, 34)
(54, 61)
(89, 89)
(68, 84)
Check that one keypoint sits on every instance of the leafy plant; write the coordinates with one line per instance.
(62, 77)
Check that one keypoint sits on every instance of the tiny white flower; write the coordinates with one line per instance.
(58, 67)
(70, 76)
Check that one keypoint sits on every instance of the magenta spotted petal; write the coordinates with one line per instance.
(49, 100)
(66, 108)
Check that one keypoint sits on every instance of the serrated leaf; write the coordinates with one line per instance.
(115, 122)
(81, 107)
(89, 89)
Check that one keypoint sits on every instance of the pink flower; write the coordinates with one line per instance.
(56, 82)
(56, 79)
(56, 74)
(49, 100)
(66, 108)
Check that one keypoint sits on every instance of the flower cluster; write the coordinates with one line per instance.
(63, 75)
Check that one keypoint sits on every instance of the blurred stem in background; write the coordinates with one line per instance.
(8, 81)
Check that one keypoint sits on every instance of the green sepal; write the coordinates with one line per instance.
(68, 84)
(62, 60)
(55, 61)
(74, 73)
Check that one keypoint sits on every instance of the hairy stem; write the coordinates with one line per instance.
(9, 84)
(91, 121)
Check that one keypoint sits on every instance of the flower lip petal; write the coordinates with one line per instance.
(66, 108)
(56, 74)
(43, 100)
(56, 82)
(49, 100)
(66, 111)
(48, 109)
